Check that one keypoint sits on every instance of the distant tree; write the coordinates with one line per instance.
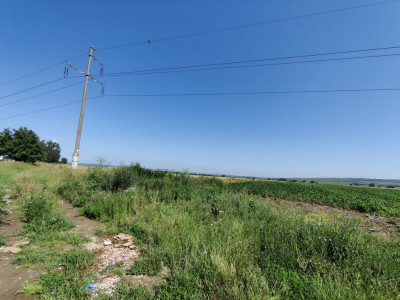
(22, 145)
(372, 185)
(52, 151)
(63, 160)
(313, 181)
(390, 187)
(282, 179)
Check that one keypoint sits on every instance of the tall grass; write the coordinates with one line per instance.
(222, 244)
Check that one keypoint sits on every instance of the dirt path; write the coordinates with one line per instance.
(12, 278)
(84, 226)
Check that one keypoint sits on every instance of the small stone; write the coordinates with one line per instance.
(118, 246)
(127, 238)
(127, 244)
(107, 242)
(12, 250)
(22, 243)
(132, 247)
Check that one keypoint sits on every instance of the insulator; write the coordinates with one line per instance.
(102, 90)
(66, 71)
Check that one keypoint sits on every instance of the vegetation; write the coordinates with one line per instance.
(21, 145)
(220, 242)
(217, 240)
(52, 151)
(380, 201)
(24, 145)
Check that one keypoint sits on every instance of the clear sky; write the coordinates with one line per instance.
(270, 135)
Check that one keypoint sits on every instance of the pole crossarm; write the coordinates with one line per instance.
(68, 65)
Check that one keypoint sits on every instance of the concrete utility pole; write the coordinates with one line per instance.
(75, 156)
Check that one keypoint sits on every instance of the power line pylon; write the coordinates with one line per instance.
(75, 156)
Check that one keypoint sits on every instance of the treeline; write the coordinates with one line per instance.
(24, 145)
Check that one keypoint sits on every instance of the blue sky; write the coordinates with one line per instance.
(273, 135)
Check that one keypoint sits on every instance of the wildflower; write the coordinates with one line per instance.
(330, 240)
(325, 240)
(319, 237)
(315, 225)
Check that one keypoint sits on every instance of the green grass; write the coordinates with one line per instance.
(370, 200)
(218, 241)
(221, 243)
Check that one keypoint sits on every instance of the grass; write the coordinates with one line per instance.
(370, 200)
(225, 244)
(53, 249)
(218, 240)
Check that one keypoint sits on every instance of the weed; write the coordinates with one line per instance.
(2, 240)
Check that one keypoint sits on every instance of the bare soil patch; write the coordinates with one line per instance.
(12, 278)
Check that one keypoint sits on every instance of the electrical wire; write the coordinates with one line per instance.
(41, 70)
(216, 94)
(31, 97)
(260, 92)
(250, 25)
(48, 108)
(264, 59)
(32, 88)
(193, 68)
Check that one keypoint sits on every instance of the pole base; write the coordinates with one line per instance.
(74, 164)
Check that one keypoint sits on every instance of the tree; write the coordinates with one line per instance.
(5, 139)
(372, 185)
(52, 152)
(63, 160)
(21, 145)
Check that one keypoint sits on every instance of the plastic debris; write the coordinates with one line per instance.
(90, 286)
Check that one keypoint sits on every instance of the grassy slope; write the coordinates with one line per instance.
(222, 244)
(217, 243)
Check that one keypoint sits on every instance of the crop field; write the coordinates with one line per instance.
(383, 202)
(216, 240)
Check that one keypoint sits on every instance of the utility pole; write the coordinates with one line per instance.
(75, 156)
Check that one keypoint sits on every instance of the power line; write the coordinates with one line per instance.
(201, 68)
(41, 70)
(48, 108)
(217, 94)
(31, 97)
(252, 25)
(32, 88)
(260, 92)
(266, 59)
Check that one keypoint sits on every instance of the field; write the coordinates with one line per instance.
(202, 238)
(384, 202)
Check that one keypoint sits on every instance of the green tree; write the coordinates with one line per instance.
(5, 139)
(52, 151)
(63, 160)
(22, 145)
